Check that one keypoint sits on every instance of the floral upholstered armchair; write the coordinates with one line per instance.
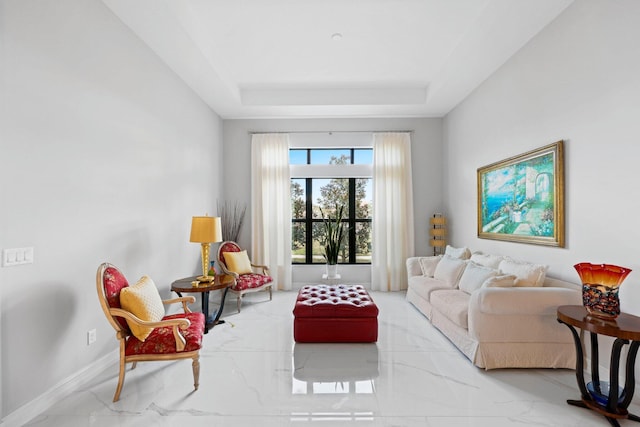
(145, 333)
(247, 277)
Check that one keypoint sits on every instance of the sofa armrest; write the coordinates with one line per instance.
(523, 301)
(503, 315)
(413, 267)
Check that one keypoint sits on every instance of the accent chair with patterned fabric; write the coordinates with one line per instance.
(247, 277)
(145, 333)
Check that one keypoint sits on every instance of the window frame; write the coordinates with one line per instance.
(308, 172)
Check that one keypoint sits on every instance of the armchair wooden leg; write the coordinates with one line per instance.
(133, 365)
(196, 371)
(116, 396)
(270, 293)
(239, 302)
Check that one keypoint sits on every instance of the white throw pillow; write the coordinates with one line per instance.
(474, 276)
(501, 281)
(449, 270)
(527, 274)
(461, 253)
(491, 261)
(428, 264)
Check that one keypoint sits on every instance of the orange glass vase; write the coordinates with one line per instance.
(600, 287)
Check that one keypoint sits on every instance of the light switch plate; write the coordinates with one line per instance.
(17, 256)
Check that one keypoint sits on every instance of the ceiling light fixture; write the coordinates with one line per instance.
(336, 36)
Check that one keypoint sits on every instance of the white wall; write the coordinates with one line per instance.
(105, 156)
(426, 147)
(578, 80)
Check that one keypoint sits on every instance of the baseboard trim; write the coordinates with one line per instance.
(59, 391)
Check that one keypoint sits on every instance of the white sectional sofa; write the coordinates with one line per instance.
(499, 312)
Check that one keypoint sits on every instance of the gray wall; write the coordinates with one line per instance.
(426, 148)
(104, 156)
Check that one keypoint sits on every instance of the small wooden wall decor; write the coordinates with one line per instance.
(437, 233)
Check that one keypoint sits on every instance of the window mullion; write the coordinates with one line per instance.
(351, 222)
(308, 222)
(308, 217)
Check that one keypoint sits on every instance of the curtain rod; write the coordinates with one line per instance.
(335, 131)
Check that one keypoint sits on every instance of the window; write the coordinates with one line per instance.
(330, 177)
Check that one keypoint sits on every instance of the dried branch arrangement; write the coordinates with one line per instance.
(232, 218)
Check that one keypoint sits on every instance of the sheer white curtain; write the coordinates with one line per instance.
(392, 239)
(271, 205)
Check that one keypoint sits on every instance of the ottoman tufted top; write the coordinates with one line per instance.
(334, 301)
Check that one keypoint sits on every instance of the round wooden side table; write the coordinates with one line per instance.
(625, 329)
(221, 281)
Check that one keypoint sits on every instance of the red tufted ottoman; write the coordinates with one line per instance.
(335, 313)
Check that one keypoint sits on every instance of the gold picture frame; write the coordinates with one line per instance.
(521, 199)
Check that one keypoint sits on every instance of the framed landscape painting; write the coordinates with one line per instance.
(521, 199)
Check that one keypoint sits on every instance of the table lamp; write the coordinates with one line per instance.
(205, 230)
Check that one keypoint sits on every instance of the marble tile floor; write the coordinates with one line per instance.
(253, 374)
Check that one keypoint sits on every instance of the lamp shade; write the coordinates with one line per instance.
(206, 229)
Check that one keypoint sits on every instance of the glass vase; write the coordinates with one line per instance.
(212, 269)
(332, 271)
(600, 288)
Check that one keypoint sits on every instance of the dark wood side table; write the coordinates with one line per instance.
(625, 329)
(221, 281)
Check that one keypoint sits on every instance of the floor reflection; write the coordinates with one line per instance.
(335, 368)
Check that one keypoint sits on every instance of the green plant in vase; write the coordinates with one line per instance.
(334, 234)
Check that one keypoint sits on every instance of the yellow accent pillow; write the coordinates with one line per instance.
(143, 301)
(238, 262)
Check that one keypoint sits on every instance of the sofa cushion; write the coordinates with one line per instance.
(453, 304)
(428, 264)
(251, 281)
(162, 340)
(491, 261)
(413, 266)
(474, 276)
(424, 286)
(500, 281)
(449, 270)
(527, 274)
(462, 253)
